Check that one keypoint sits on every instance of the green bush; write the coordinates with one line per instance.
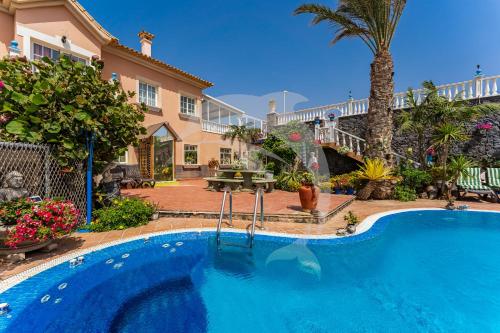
(414, 178)
(123, 213)
(405, 193)
(58, 102)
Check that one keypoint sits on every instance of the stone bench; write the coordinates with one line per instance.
(217, 184)
(268, 184)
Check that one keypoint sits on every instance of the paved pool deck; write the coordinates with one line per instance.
(362, 209)
(192, 198)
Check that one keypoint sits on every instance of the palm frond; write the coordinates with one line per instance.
(373, 21)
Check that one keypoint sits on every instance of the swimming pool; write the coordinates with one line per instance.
(428, 270)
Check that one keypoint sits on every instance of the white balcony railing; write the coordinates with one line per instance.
(479, 87)
(213, 127)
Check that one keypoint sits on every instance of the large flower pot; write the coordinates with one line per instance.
(308, 195)
(24, 247)
(384, 189)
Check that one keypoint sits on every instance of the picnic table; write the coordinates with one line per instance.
(227, 177)
(246, 174)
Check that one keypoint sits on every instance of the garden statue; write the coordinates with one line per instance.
(12, 188)
(313, 161)
(109, 185)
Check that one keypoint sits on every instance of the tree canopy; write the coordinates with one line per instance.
(61, 103)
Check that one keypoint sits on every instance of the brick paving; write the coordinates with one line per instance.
(362, 209)
(192, 196)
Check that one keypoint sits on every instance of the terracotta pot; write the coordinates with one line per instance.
(309, 195)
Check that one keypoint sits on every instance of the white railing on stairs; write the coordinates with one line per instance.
(331, 134)
(357, 145)
(479, 87)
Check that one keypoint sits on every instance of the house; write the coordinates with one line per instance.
(184, 126)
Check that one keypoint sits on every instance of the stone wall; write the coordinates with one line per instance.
(478, 146)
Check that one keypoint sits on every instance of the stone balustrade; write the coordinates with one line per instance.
(479, 87)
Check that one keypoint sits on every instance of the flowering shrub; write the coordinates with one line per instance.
(122, 214)
(295, 137)
(484, 126)
(38, 221)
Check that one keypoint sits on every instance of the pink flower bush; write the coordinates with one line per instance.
(484, 126)
(41, 221)
(2, 85)
(295, 137)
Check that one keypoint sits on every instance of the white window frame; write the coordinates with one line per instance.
(148, 100)
(230, 155)
(156, 85)
(195, 106)
(126, 158)
(197, 154)
(62, 53)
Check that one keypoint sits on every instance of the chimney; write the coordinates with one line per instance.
(146, 42)
(272, 106)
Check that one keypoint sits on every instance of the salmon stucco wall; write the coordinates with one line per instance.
(170, 91)
(6, 32)
(58, 21)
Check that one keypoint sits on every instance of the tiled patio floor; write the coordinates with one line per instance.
(192, 196)
(362, 209)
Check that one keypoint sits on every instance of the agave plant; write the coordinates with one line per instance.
(372, 170)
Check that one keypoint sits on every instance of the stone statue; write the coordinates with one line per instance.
(313, 160)
(12, 188)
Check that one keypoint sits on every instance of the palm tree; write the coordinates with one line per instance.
(239, 133)
(459, 167)
(374, 22)
(416, 119)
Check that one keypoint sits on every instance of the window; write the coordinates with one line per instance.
(225, 156)
(40, 51)
(122, 159)
(188, 105)
(190, 154)
(147, 94)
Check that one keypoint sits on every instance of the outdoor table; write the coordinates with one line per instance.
(247, 176)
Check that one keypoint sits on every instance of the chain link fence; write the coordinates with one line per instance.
(43, 176)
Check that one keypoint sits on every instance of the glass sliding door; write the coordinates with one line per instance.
(163, 155)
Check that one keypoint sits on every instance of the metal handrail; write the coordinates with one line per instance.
(258, 194)
(259, 197)
(219, 224)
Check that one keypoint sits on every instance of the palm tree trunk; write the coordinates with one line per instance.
(379, 135)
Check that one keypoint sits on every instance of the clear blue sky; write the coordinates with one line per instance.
(256, 47)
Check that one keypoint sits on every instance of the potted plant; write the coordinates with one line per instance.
(352, 220)
(335, 185)
(331, 116)
(213, 166)
(269, 175)
(352, 182)
(325, 187)
(29, 225)
(308, 192)
(156, 212)
(377, 177)
(344, 150)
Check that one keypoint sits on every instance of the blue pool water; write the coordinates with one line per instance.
(418, 271)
